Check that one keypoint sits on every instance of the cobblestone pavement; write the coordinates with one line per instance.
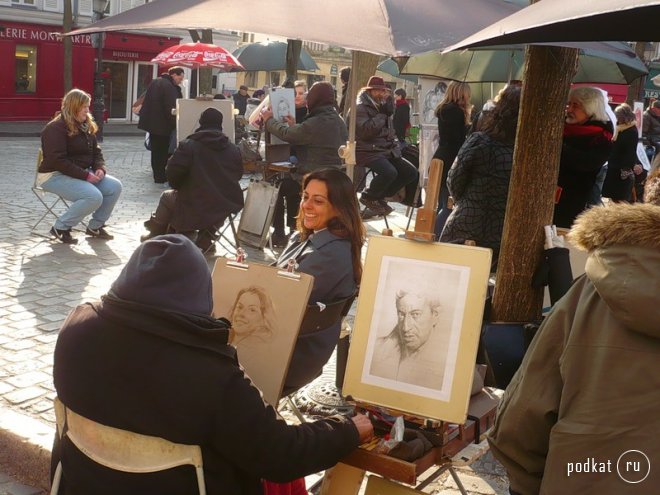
(42, 280)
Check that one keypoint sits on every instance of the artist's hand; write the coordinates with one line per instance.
(364, 427)
(290, 120)
(266, 113)
(387, 107)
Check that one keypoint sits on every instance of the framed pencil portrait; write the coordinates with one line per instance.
(417, 327)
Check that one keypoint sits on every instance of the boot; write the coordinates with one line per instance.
(206, 241)
(155, 228)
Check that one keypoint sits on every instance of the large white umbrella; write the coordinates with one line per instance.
(390, 27)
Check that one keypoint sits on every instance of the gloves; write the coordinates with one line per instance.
(387, 107)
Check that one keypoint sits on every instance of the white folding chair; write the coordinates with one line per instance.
(40, 193)
(123, 450)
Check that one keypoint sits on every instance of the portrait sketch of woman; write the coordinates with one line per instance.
(253, 316)
(265, 310)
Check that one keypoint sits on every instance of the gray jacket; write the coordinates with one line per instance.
(317, 138)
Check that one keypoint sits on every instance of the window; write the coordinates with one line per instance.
(23, 2)
(251, 78)
(274, 79)
(26, 69)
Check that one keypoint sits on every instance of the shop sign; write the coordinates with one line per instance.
(32, 35)
(652, 86)
(125, 55)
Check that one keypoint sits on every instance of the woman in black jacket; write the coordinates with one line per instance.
(453, 114)
(620, 177)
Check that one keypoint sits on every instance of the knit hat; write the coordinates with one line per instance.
(169, 272)
(210, 119)
(321, 93)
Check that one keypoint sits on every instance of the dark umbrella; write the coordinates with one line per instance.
(270, 55)
(603, 62)
(573, 20)
(389, 27)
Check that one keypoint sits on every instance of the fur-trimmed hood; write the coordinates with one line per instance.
(624, 261)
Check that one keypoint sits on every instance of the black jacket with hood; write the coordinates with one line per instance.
(148, 358)
(205, 169)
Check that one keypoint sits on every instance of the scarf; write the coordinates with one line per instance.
(622, 127)
(586, 130)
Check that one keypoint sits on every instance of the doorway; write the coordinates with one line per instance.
(144, 74)
(116, 76)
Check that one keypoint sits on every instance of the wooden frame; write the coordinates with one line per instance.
(438, 290)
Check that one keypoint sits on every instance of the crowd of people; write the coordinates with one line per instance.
(160, 305)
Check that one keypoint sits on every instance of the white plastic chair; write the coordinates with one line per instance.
(123, 450)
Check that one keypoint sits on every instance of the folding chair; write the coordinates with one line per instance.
(123, 450)
(40, 193)
(224, 235)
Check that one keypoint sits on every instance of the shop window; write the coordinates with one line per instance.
(26, 69)
(251, 78)
(23, 2)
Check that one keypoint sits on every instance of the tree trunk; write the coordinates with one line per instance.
(67, 24)
(205, 74)
(636, 88)
(548, 74)
(293, 49)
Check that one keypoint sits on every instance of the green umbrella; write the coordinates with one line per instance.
(389, 66)
(270, 56)
(602, 62)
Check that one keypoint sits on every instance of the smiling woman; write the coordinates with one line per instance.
(327, 245)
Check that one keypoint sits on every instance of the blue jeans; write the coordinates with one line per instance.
(85, 197)
(443, 211)
(391, 175)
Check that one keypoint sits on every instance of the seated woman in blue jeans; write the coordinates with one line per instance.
(73, 168)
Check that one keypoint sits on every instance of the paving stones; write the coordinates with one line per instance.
(42, 280)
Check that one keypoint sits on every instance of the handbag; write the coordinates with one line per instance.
(137, 104)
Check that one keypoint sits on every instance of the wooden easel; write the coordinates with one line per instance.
(425, 220)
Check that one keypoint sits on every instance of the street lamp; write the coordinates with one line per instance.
(98, 106)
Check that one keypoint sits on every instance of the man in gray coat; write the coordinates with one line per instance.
(317, 139)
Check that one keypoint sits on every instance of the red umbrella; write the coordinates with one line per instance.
(197, 55)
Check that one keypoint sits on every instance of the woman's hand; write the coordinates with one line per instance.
(100, 173)
(364, 427)
(93, 178)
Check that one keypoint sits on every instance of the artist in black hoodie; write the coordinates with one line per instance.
(149, 358)
(204, 174)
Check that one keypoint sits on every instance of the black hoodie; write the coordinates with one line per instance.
(205, 169)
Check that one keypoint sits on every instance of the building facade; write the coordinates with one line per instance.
(32, 52)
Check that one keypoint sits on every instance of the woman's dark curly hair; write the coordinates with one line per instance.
(501, 122)
(347, 224)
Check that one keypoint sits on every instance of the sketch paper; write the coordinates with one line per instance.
(417, 327)
(266, 310)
